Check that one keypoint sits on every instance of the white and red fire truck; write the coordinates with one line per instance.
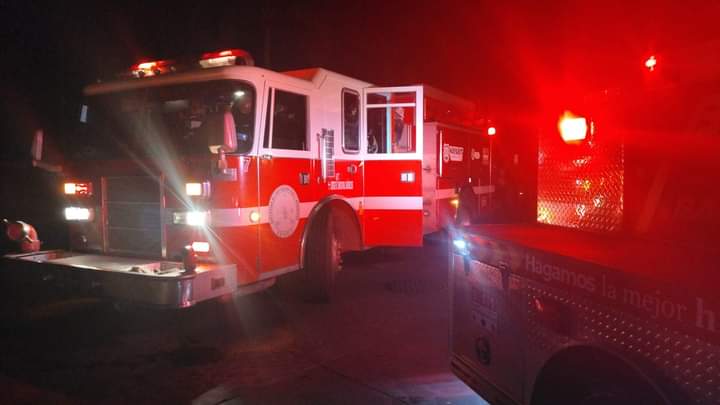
(610, 297)
(197, 182)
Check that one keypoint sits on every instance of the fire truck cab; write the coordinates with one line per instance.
(198, 182)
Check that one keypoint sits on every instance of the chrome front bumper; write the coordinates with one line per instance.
(135, 280)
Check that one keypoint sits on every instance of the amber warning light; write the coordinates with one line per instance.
(572, 128)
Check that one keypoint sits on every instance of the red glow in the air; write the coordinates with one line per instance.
(572, 128)
(491, 131)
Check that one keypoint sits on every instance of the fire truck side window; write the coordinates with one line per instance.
(351, 121)
(266, 137)
(289, 125)
(243, 111)
(390, 127)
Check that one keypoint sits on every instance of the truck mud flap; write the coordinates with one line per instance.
(136, 280)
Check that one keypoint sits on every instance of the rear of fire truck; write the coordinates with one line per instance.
(610, 296)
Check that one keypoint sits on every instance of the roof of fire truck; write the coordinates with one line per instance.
(318, 75)
(310, 78)
(252, 73)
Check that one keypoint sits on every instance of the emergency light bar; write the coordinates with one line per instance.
(153, 68)
(229, 57)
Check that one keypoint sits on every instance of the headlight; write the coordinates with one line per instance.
(78, 214)
(460, 244)
(201, 247)
(197, 189)
(196, 218)
(192, 218)
(193, 189)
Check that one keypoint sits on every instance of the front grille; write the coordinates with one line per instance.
(134, 215)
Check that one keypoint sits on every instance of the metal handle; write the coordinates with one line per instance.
(267, 157)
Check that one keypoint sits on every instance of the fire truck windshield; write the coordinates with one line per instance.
(164, 121)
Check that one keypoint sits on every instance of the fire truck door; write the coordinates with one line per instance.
(392, 149)
(286, 186)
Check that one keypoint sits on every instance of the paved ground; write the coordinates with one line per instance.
(384, 340)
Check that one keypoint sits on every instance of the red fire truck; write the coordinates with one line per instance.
(609, 297)
(197, 180)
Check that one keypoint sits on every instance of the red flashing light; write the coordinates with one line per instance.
(491, 131)
(650, 63)
(152, 68)
(572, 128)
(83, 189)
(228, 57)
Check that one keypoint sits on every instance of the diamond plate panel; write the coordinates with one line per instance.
(580, 185)
(693, 364)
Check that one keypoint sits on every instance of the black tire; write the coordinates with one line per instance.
(603, 386)
(322, 258)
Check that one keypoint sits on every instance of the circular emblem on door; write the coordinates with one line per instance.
(284, 211)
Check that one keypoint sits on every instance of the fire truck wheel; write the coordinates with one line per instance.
(322, 260)
(609, 382)
(467, 206)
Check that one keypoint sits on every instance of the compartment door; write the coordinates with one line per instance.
(392, 213)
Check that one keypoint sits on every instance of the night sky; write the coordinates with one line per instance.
(501, 55)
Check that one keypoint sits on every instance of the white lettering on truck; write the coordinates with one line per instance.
(550, 272)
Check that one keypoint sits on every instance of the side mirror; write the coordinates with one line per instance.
(220, 131)
(36, 149)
